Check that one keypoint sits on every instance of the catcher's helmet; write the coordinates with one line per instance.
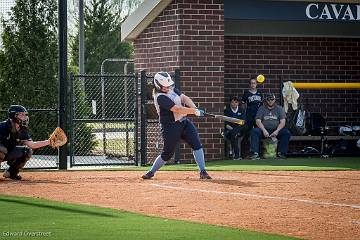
(162, 79)
(13, 112)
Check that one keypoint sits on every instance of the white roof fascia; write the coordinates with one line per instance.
(141, 18)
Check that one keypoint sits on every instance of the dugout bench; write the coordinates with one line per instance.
(324, 142)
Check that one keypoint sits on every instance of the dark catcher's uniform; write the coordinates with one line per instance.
(12, 149)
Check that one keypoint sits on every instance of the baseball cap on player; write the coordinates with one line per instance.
(162, 79)
(270, 96)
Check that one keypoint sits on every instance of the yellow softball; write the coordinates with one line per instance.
(260, 78)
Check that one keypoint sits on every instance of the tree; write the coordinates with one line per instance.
(102, 37)
(28, 61)
(125, 7)
(102, 40)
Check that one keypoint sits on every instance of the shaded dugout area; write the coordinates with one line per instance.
(302, 42)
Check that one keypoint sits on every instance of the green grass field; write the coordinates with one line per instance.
(28, 218)
(289, 164)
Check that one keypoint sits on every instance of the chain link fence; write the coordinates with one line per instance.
(102, 125)
(5, 8)
(42, 123)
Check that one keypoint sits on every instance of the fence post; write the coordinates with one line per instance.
(62, 78)
(71, 117)
(143, 117)
(136, 130)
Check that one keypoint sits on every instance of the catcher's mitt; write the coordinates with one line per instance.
(57, 138)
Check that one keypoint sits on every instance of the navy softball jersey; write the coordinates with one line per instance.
(239, 113)
(10, 138)
(164, 102)
(174, 126)
(253, 102)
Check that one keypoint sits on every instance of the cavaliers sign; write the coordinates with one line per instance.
(291, 11)
(342, 12)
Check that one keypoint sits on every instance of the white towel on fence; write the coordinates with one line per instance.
(290, 96)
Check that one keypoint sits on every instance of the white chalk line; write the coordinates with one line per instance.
(258, 196)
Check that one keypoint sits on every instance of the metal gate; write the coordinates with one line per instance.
(103, 114)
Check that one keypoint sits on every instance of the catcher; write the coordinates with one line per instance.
(16, 144)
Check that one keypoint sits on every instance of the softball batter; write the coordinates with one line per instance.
(174, 123)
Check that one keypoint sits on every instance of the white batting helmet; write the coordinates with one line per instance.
(162, 79)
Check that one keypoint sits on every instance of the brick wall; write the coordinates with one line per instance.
(302, 60)
(189, 35)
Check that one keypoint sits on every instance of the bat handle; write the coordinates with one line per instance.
(209, 114)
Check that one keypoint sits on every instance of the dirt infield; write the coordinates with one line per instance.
(310, 205)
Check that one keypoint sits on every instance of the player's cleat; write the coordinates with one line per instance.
(254, 156)
(16, 177)
(148, 175)
(281, 156)
(237, 158)
(7, 174)
(204, 175)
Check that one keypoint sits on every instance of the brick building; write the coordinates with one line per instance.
(218, 45)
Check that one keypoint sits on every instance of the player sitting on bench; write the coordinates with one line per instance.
(232, 130)
(270, 121)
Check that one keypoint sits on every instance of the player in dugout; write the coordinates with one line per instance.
(270, 121)
(174, 123)
(253, 100)
(232, 130)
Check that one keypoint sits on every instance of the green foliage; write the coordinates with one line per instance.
(29, 57)
(28, 62)
(84, 140)
(102, 38)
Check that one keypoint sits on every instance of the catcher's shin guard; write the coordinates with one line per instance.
(16, 159)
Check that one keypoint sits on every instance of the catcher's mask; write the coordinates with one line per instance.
(162, 79)
(19, 115)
